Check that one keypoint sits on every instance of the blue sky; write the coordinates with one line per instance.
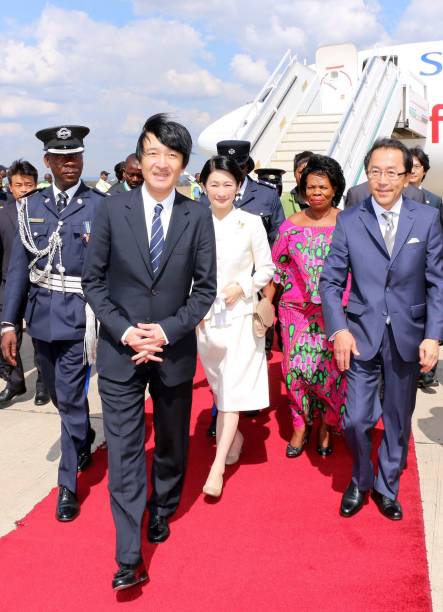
(111, 65)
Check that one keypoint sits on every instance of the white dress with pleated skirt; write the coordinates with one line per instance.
(233, 358)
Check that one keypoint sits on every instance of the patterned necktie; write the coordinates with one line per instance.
(389, 236)
(157, 238)
(62, 201)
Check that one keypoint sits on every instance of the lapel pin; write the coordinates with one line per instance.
(79, 201)
(47, 200)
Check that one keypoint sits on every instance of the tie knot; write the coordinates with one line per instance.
(388, 216)
(157, 209)
(62, 195)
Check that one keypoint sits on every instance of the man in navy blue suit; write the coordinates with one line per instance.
(150, 277)
(393, 248)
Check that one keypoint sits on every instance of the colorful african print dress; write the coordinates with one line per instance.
(313, 381)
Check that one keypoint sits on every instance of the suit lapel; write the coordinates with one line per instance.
(49, 200)
(11, 211)
(405, 223)
(369, 219)
(136, 218)
(177, 225)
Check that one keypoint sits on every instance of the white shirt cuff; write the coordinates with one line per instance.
(332, 338)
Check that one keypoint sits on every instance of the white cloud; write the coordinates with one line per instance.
(10, 129)
(420, 22)
(249, 71)
(23, 106)
(196, 84)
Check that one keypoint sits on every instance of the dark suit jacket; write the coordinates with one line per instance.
(359, 193)
(8, 229)
(407, 287)
(116, 188)
(122, 290)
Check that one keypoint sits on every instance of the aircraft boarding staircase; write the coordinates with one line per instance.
(286, 117)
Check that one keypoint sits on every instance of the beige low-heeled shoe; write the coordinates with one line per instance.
(214, 486)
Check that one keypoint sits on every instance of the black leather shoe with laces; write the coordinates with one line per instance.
(128, 576)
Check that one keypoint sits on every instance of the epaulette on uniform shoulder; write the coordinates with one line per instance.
(262, 182)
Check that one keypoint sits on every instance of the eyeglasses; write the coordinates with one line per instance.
(391, 175)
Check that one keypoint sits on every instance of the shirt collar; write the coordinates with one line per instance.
(167, 203)
(242, 189)
(69, 192)
(379, 210)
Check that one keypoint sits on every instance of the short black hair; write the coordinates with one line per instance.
(390, 143)
(221, 162)
(23, 168)
(169, 133)
(323, 165)
(301, 158)
(421, 156)
(119, 169)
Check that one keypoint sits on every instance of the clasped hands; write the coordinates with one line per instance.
(232, 293)
(146, 340)
(345, 345)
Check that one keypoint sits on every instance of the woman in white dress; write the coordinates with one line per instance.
(233, 358)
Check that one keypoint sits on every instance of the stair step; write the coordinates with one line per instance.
(319, 137)
(317, 119)
(301, 128)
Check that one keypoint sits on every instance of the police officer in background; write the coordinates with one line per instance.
(46, 266)
(257, 197)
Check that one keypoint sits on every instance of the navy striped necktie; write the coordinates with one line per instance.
(157, 238)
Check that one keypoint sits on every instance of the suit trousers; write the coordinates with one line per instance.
(125, 431)
(364, 409)
(14, 375)
(64, 375)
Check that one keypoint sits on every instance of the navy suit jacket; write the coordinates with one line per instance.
(407, 287)
(51, 315)
(122, 290)
(8, 229)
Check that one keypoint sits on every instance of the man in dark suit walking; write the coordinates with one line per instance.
(22, 178)
(150, 277)
(393, 322)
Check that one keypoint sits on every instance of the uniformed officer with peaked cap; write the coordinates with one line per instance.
(274, 176)
(46, 266)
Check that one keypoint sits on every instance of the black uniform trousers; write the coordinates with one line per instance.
(64, 375)
(125, 433)
(14, 375)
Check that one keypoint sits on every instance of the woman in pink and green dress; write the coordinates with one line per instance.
(313, 381)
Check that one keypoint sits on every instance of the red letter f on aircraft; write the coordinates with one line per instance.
(435, 119)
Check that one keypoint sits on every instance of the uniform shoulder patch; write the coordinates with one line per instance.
(262, 182)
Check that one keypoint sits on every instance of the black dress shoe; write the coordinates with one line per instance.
(158, 529)
(352, 500)
(212, 429)
(84, 459)
(324, 451)
(388, 507)
(8, 394)
(296, 451)
(41, 398)
(68, 507)
(129, 575)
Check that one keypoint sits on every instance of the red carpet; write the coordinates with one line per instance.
(274, 541)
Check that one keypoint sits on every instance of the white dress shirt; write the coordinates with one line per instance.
(241, 191)
(379, 210)
(69, 192)
(149, 204)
